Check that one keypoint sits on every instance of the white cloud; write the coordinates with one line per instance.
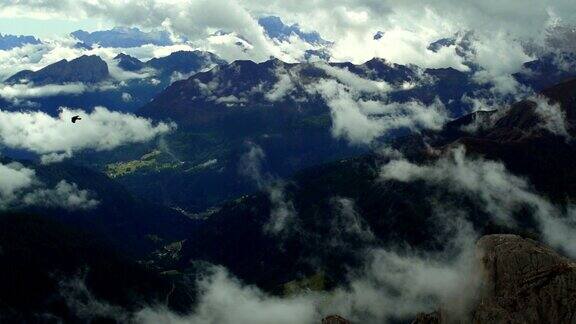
(553, 117)
(193, 19)
(36, 57)
(223, 299)
(126, 97)
(20, 187)
(57, 137)
(501, 193)
(347, 224)
(345, 77)
(283, 218)
(394, 283)
(361, 121)
(399, 283)
(360, 109)
(25, 91)
(64, 194)
(15, 177)
(282, 87)
(409, 27)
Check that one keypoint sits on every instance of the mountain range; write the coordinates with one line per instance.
(127, 87)
(391, 210)
(8, 42)
(315, 245)
(263, 176)
(122, 37)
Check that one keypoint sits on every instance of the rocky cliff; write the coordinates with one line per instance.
(523, 281)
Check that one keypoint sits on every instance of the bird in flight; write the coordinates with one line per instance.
(75, 119)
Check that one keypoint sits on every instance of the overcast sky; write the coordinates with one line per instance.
(49, 28)
(409, 26)
(336, 18)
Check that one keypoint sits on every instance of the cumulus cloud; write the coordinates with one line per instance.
(499, 56)
(282, 215)
(126, 97)
(192, 19)
(498, 48)
(34, 57)
(64, 194)
(501, 193)
(56, 137)
(20, 187)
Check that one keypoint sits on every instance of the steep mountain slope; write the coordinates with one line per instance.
(248, 84)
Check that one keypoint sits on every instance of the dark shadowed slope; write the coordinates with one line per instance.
(49, 272)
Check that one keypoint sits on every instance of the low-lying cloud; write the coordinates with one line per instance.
(20, 187)
(56, 138)
(501, 193)
(224, 299)
(394, 283)
(27, 91)
(282, 214)
(362, 121)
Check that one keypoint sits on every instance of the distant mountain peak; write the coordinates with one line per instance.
(85, 69)
(276, 29)
(129, 63)
(123, 37)
(8, 42)
(186, 61)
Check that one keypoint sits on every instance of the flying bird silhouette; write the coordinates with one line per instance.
(75, 119)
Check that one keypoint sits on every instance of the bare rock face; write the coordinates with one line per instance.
(523, 281)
